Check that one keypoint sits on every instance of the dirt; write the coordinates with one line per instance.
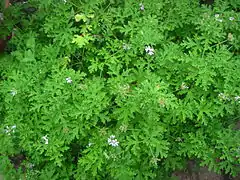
(202, 174)
(17, 1)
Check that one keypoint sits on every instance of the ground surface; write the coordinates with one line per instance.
(202, 174)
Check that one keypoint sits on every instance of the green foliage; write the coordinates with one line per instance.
(120, 90)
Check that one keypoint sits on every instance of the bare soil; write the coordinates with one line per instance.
(202, 174)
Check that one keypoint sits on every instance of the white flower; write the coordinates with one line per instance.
(223, 96)
(45, 138)
(237, 98)
(151, 53)
(31, 165)
(149, 50)
(219, 20)
(9, 130)
(13, 92)
(112, 137)
(141, 6)
(64, 1)
(126, 47)
(13, 128)
(89, 144)
(1, 16)
(112, 141)
(69, 80)
(231, 18)
(184, 86)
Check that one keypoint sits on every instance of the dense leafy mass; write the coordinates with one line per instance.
(113, 89)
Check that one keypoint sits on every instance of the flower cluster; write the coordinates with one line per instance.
(226, 97)
(112, 141)
(223, 96)
(217, 17)
(123, 128)
(149, 50)
(124, 89)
